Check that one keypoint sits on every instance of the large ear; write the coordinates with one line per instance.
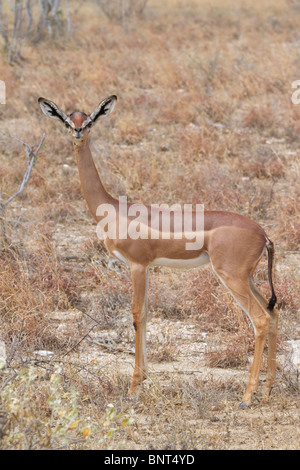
(103, 109)
(51, 110)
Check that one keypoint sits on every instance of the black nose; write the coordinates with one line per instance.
(77, 133)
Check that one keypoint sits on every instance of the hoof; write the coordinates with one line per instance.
(243, 405)
(134, 391)
(267, 390)
(129, 398)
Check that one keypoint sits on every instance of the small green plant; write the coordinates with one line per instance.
(112, 422)
(41, 414)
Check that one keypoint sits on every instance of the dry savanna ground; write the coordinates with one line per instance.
(204, 115)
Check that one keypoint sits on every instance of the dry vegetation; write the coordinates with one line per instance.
(204, 115)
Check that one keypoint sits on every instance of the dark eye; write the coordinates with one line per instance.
(67, 125)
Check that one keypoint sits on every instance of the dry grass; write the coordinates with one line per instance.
(204, 115)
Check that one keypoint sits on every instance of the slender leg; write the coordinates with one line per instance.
(272, 337)
(257, 294)
(146, 293)
(261, 321)
(239, 287)
(271, 369)
(139, 275)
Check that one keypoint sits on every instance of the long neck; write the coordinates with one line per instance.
(91, 184)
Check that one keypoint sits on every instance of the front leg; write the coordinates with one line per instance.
(139, 280)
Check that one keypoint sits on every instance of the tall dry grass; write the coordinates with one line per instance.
(204, 115)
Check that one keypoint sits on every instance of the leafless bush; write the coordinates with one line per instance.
(14, 30)
(31, 156)
(39, 19)
(121, 9)
(117, 9)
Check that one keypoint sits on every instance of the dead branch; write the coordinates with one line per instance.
(31, 156)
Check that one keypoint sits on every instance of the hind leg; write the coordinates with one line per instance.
(272, 339)
(239, 287)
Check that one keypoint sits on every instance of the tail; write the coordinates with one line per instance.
(273, 299)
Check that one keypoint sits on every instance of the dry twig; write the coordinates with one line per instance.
(31, 156)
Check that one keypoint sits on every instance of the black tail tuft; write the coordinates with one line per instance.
(273, 299)
(272, 302)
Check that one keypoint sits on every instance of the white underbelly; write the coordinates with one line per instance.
(181, 263)
(120, 257)
(173, 263)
